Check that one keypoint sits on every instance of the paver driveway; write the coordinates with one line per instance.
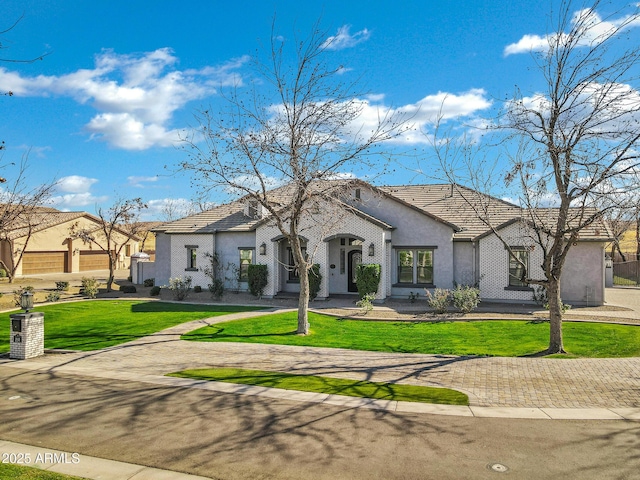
(491, 382)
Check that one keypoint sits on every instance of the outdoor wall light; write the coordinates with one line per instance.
(26, 301)
(263, 249)
(372, 250)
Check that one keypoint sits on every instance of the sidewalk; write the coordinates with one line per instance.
(84, 466)
(514, 388)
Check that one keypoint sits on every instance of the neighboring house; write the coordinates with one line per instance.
(50, 247)
(147, 243)
(423, 237)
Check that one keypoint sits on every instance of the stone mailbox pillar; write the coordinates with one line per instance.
(27, 335)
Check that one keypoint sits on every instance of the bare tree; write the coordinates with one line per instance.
(14, 60)
(300, 131)
(118, 225)
(619, 222)
(20, 213)
(576, 143)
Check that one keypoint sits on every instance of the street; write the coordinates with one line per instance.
(239, 437)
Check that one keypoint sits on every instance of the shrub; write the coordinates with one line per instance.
(149, 282)
(368, 278)
(128, 288)
(257, 279)
(155, 291)
(438, 300)
(413, 297)
(89, 287)
(465, 298)
(366, 303)
(315, 278)
(3, 273)
(62, 286)
(197, 289)
(53, 296)
(18, 293)
(180, 287)
(216, 288)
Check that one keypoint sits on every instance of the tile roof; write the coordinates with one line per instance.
(452, 203)
(455, 205)
(41, 219)
(229, 217)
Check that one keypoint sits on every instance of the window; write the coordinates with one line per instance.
(518, 267)
(191, 257)
(246, 258)
(127, 250)
(415, 266)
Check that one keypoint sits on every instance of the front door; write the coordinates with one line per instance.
(355, 259)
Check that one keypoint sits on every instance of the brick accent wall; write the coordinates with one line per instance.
(179, 243)
(29, 342)
(494, 264)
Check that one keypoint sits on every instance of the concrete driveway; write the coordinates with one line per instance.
(627, 297)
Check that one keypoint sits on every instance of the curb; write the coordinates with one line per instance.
(541, 413)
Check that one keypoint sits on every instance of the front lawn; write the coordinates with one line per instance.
(93, 325)
(505, 338)
(21, 472)
(329, 385)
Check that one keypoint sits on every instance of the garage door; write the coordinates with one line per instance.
(43, 262)
(93, 260)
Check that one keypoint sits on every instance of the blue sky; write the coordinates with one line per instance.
(102, 111)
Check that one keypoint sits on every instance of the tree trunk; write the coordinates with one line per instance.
(303, 298)
(303, 303)
(555, 317)
(112, 269)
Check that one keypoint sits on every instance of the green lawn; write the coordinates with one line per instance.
(334, 386)
(93, 325)
(508, 338)
(20, 472)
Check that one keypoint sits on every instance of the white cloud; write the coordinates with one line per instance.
(75, 184)
(596, 29)
(74, 200)
(138, 182)
(75, 192)
(136, 95)
(344, 39)
(252, 182)
(423, 114)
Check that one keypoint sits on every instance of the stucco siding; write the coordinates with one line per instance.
(228, 245)
(412, 229)
(464, 263)
(57, 238)
(163, 259)
(584, 268)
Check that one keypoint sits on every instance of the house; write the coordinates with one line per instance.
(423, 236)
(43, 243)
